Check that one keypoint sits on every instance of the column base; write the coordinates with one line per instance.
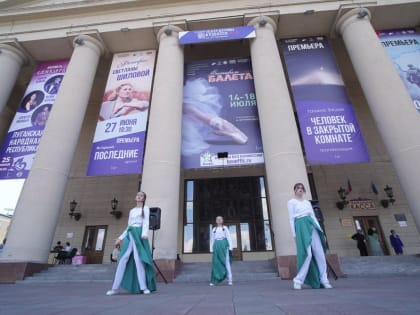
(286, 266)
(13, 271)
(168, 267)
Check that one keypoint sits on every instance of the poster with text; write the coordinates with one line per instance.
(220, 115)
(403, 46)
(328, 124)
(118, 144)
(25, 132)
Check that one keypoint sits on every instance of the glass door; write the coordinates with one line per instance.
(234, 230)
(371, 223)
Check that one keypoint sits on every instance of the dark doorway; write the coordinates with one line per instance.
(93, 243)
(242, 201)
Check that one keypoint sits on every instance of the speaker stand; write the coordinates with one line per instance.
(154, 263)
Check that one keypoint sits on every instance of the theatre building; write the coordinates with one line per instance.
(211, 108)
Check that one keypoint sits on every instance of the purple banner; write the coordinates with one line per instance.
(25, 132)
(328, 124)
(118, 144)
(403, 46)
(216, 35)
(220, 115)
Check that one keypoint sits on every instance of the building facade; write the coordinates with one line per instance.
(251, 197)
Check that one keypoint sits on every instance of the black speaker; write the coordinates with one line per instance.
(154, 218)
(317, 211)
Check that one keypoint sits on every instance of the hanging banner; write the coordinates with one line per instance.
(216, 35)
(403, 47)
(328, 124)
(220, 115)
(118, 144)
(25, 132)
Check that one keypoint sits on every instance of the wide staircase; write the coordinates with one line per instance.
(373, 266)
(188, 272)
(242, 270)
(73, 273)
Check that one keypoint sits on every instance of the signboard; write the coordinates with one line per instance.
(403, 47)
(216, 35)
(118, 144)
(362, 204)
(220, 115)
(25, 132)
(328, 124)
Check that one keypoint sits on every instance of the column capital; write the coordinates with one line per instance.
(168, 31)
(14, 53)
(354, 15)
(89, 41)
(263, 21)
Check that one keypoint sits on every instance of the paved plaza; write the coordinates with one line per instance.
(354, 295)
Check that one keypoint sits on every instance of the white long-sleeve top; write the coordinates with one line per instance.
(135, 219)
(218, 233)
(300, 208)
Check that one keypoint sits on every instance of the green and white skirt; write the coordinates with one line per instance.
(304, 227)
(130, 281)
(219, 271)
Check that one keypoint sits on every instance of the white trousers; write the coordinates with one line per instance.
(122, 264)
(315, 249)
(228, 268)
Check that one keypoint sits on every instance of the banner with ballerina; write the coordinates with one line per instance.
(403, 47)
(220, 126)
(118, 144)
(327, 121)
(25, 132)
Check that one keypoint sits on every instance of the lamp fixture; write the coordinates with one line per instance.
(342, 193)
(72, 213)
(389, 194)
(114, 204)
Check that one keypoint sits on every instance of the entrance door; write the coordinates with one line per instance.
(234, 230)
(371, 222)
(93, 243)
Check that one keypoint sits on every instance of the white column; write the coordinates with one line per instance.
(284, 161)
(37, 211)
(11, 61)
(161, 168)
(391, 105)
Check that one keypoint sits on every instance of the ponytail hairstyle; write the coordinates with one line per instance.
(144, 203)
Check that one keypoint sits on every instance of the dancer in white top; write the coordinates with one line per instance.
(221, 246)
(135, 272)
(310, 242)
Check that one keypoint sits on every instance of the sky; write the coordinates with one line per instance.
(9, 193)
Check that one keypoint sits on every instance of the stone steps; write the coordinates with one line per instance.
(380, 266)
(242, 271)
(189, 272)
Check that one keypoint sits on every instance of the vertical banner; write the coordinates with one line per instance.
(220, 115)
(25, 132)
(403, 47)
(328, 124)
(118, 144)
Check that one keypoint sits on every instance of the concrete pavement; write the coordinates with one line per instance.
(380, 295)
